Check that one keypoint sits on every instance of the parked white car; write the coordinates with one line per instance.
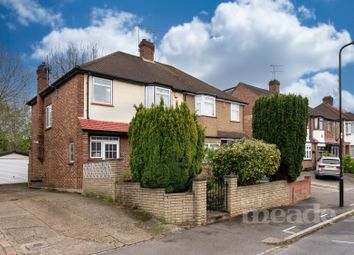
(328, 166)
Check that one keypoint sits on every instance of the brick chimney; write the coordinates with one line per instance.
(274, 86)
(328, 100)
(42, 76)
(146, 50)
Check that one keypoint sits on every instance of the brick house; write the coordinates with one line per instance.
(250, 94)
(323, 123)
(84, 115)
(324, 132)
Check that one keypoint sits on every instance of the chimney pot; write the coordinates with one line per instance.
(274, 86)
(147, 49)
(328, 100)
(42, 76)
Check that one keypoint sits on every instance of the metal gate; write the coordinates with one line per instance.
(216, 195)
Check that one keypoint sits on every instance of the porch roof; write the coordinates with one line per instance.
(97, 125)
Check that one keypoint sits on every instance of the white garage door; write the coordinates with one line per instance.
(13, 171)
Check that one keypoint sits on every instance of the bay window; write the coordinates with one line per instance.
(154, 94)
(205, 105)
(104, 147)
(348, 128)
(102, 91)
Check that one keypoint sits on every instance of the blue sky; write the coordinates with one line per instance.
(220, 42)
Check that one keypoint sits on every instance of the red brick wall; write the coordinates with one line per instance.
(67, 105)
(299, 190)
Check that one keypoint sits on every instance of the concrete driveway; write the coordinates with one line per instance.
(43, 222)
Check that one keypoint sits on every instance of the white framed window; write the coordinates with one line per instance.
(214, 146)
(104, 147)
(308, 151)
(102, 91)
(320, 123)
(348, 128)
(205, 105)
(235, 112)
(71, 152)
(48, 116)
(154, 94)
(329, 126)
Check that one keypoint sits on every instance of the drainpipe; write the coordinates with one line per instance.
(87, 96)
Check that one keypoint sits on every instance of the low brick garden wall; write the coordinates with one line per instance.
(176, 208)
(106, 178)
(258, 197)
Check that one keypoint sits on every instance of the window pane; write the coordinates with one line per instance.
(110, 151)
(165, 94)
(209, 109)
(235, 112)
(149, 100)
(102, 94)
(96, 150)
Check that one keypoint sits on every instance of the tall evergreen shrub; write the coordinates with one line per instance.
(282, 120)
(167, 147)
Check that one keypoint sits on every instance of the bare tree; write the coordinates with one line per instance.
(62, 60)
(14, 78)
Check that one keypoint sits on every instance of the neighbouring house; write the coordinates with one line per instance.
(324, 132)
(323, 124)
(84, 115)
(250, 94)
(13, 167)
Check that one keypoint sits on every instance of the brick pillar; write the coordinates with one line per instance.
(309, 180)
(200, 209)
(231, 181)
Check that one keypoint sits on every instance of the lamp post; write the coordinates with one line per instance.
(341, 181)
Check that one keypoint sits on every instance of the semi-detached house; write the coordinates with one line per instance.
(84, 115)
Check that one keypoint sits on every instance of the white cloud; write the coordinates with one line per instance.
(315, 87)
(243, 38)
(30, 11)
(306, 13)
(109, 30)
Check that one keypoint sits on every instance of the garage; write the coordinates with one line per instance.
(13, 167)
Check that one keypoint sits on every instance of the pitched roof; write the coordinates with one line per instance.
(108, 126)
(258, 91)
(330, 112)
(123, 66)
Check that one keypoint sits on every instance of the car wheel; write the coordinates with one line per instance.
(317, 176)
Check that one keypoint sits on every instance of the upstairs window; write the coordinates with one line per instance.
(48, 116)
(348, 128)
(153, 96)
(318, 123)
(102, 91)
(205, 105)
(235, 112)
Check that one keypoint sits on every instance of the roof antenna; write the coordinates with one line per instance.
(275, 70)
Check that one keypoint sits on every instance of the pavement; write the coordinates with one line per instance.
(335, 239)
(43, 222)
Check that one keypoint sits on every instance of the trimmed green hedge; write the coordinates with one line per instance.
(167, 147)
(251, 160)
(282, 120)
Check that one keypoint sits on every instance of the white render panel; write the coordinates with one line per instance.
(319, 135)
